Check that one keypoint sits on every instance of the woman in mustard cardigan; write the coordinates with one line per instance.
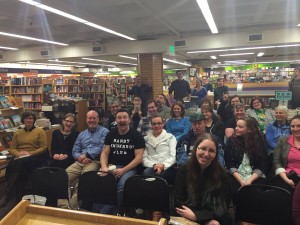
(29, 149)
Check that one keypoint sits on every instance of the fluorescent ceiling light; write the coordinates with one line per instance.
(176, 62)
(8, 48)
(283, 61)
(247, 53)
(75, 18)
(298, 25)
(101, 60)
(93, 64)
(213, 57)
(245, 48)
(203, 4)
(31, 38)
(219, 62)
(127, 57)
(50, 64)
(260, 54)
(236, 62)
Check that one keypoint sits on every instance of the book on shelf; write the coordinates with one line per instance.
(16, 119)
(5, 123)
(4, 103)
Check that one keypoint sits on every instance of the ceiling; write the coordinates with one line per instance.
(154, 24)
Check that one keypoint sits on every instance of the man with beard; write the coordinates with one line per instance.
(185, 144)
(124, 148)
(162, 109)
(86, 152)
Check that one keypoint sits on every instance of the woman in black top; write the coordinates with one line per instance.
(63, 141)
(201, 189)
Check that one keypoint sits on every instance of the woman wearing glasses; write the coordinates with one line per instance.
(201, 188)
(63, 141)
(29, 149)
(159, 155)
(160, 152)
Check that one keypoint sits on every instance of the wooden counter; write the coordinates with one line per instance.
(27, 214)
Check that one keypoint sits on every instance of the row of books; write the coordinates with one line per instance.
(10, 121)
(94, 88)
(16, 90)
(26, 80)
(31, 98)
(32, 105)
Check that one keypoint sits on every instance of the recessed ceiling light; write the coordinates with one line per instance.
(176, 62)
(8, 48)
(260, 54)
(244, 48)
(213, 57)
(32, 38)
(101, 60)
(127, 57)
(82, 63)
(247, 53)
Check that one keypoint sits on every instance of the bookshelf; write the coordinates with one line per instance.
(30, 90)
(90, 88)
(117, 87)
(13, 114)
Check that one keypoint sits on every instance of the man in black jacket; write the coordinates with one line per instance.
(180, 87)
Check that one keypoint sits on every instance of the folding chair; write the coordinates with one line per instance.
(264, 204)
(148, 193)
(50, 182)
(93, 188)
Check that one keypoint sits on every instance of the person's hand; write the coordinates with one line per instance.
(86, 161)
(119, 172)
(21, 153)
(103, 169)
(242, 182)
(186, 213)
(158, 168)
(81, 158)
(63, 156)
(56, 156)
(212, 222)
(290, 182)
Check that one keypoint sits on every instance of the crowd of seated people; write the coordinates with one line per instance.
(190, 153)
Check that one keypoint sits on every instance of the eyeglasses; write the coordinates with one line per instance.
(69, 121)
(157, 124)
(210, 151)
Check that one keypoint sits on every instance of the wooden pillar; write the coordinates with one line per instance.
(150, 68)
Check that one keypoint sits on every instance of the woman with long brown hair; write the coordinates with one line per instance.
(201, 188)
(245, 155)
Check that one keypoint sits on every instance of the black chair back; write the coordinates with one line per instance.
(147, 192)
(264, 204)
(50, 182)
(93, 188)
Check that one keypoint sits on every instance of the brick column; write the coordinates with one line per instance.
(150, 67)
